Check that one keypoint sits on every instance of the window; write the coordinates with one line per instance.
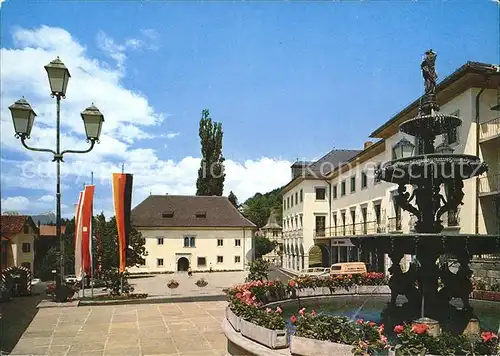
(364, 180)
(26, 264)
(220, 259)
(237, 242)
(237, 259)
(291, 200)
(301, 220)
(353, 184)
(26, 229)
(159, 262)
(296, 222)
(320, 193)
(320, 225)
(284, 204)
(377, 168)
(220, 242)
(26, 247)
(202, 261)
(296, 198)
(189, 241)
(288, 203)
(159, 240)
(301, 196)
(342, 189)
(334, 192)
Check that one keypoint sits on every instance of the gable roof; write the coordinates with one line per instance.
(50, 230)
(182, 211)
(321, 168)
(13, 224)
(271, 222)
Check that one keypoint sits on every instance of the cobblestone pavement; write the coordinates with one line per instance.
(141, 329)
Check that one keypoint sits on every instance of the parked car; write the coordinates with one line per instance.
(315, 272)
(347, 268)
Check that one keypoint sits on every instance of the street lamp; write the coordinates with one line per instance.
(403, 149)
(23, 117)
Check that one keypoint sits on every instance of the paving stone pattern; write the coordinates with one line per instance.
(141, 329)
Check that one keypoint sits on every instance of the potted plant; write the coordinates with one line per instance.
(172, 284)
(201, 283)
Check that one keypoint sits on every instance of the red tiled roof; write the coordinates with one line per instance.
(13, 224)
(50, 230)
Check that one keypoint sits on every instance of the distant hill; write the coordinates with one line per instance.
(258, 207)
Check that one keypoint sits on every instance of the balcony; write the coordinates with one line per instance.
(394, 224)
(489, 184)
(489, 130)
(363, 228)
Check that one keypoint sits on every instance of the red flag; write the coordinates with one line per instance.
(78, 238)
(122, 200)
(86, 222)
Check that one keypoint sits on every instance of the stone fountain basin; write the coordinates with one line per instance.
(443, 167)
(436, 124)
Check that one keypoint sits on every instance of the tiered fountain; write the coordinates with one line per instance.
(427, 173)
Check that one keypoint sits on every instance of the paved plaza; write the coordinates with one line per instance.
(141, 329)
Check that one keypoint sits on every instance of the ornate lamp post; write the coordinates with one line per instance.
(23, 117)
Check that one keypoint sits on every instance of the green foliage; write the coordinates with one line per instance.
(259, 270)
(211, 173)
(263, 246)
(258, 208)
(233, 199)
(117, 282)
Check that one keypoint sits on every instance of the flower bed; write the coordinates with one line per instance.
(318, 334)
(486, 295)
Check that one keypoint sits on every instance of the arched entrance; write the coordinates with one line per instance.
(182, 264)
(319, 256)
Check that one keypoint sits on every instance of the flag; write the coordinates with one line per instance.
(86, 223)
(122, 201)
(78, 239)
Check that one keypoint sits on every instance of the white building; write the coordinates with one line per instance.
(326, 202)
(273, 232)
(204, 232)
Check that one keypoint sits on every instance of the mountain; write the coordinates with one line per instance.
(48, 218)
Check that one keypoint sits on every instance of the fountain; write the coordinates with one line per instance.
(433, 170)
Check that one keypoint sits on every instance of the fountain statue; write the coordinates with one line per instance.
(435, 177)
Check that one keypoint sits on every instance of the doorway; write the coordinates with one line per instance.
(182, 264)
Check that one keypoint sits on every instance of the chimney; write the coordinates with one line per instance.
(367, 144)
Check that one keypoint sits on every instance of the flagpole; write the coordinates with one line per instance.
(91, 241)
(121, 277)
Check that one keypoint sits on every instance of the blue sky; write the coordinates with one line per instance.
(286, 79)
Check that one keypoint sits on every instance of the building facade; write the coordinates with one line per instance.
(18, 235)
(201, 232)
(346, 201)
(273, 232)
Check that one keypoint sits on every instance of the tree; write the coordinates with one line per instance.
(211, 173)
(258, 208)
(263, 246)
(233, 199)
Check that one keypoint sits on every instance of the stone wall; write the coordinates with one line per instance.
(488, 270)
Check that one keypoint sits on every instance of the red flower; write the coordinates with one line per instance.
(313, 313)
(349, 276)
(301, 311)
(371, 323)
(419, 328)
(381, 329)
(291, 283)
(398, 329)
(293, 319)
(359, 321)
(488, 335)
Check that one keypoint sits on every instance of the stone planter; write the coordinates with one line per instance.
(233, 319)
(373, 289)
(302, 346)
(486, 295)
(274, 339)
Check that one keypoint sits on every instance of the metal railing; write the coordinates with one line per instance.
(489, 129)
(490, 183)
(394, 224)
(362, 228)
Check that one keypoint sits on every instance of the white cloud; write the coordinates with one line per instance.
(1, 1)
(19, 203)
(129, 118)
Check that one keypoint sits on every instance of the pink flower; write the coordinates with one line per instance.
(419, 328)
(398, 329)
(301, 311)
(268, 310)
(291, 283)
(313, 313)
(372, 324)
(359, 321)
(381, 329)
(383, 339)
(279, 310)
(488, 335)
(293, 319)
